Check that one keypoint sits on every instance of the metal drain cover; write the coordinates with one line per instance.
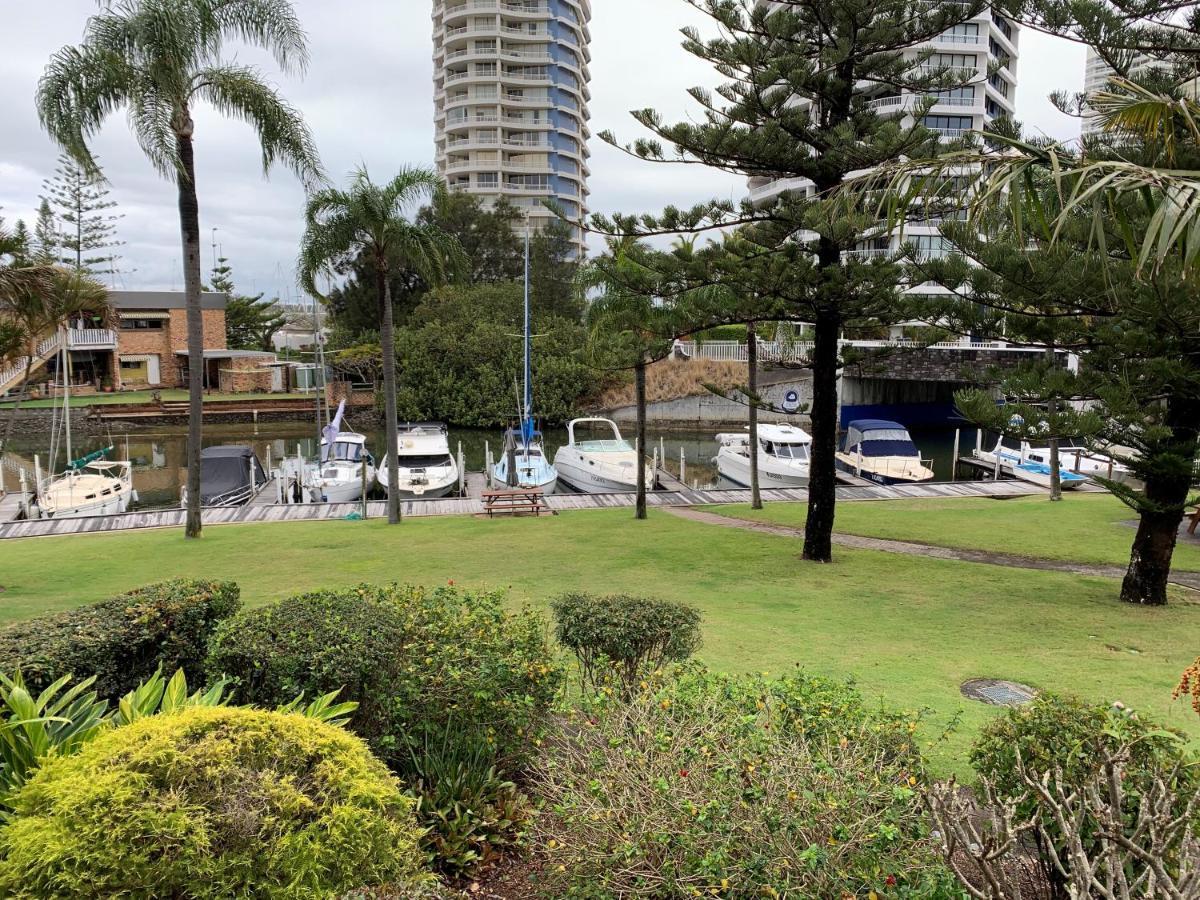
(997, 693)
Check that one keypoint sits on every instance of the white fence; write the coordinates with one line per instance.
(801, 351)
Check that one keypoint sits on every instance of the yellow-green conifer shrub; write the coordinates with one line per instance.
(210, 803)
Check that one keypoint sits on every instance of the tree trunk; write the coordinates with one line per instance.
(822, 482)
(189, 226)
(639, 379)
(752, 385)
(1055, 469)
(1167, 490)
(387, 336)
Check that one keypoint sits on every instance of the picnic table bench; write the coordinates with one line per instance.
(514, 501)
(1193, 519)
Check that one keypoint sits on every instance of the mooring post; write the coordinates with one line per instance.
(954, 459)
(462, 472)
(364, 486)
(682, 466)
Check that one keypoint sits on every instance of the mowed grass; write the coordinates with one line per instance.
(1085, 528)
(910, 630)
(136, 397)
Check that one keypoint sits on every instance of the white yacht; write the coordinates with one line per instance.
(598, 465)
(1018, 464)
(427, 468)
(783, 452)
(1082, 461)
(98, 487)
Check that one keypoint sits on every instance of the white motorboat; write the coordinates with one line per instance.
(1082, 461)
(95, 488)
(1018, 464)
(601, 465)
(783, 452)
(337, 478)
(427, 468)
(881, 451)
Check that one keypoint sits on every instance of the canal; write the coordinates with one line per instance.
(159, 465)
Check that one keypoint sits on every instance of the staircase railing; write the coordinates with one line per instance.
(44, 350)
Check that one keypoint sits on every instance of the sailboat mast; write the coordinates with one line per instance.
(528, 411)
(67, 392)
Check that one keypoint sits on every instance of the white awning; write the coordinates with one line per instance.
(146, 314)
(137, 357)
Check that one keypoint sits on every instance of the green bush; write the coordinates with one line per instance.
(413, 659)
(210, 802)
(121, 641)
(629, 634)
(1066, 738)
(738, 788)
(471, 812)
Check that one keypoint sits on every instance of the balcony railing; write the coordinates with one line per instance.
(91, 339)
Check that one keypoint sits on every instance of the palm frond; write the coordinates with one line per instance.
(241, 93)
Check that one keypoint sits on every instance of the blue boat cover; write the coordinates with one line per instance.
(880, 437)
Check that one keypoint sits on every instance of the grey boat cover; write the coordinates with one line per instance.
(225, 473)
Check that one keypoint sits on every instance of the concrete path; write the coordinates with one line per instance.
(911, 548)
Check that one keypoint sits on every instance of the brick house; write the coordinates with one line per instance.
(148, 348)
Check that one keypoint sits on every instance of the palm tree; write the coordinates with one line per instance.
(369, 219)
(44, 302)
(161, 59)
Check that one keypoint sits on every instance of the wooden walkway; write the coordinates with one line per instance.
(470, 506)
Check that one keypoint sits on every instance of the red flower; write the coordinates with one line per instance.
(890, 881)
(450, 582)
(683, 773)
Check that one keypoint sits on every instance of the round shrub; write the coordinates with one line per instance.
(417, 662)
(623, 634)
(211, 802)
(739, 788)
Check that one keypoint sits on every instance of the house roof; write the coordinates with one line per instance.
(134, 300)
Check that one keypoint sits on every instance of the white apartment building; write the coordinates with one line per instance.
(971, 47)
(511, 97)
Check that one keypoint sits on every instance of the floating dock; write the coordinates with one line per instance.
(471, 506)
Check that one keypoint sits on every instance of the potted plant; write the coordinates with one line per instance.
(106, 384)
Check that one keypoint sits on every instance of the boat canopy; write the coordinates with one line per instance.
(228, 470)
(879, 437)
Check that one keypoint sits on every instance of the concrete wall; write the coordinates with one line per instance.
(932, 364)
(710, 410)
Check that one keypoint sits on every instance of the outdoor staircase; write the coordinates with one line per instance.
(11, 377)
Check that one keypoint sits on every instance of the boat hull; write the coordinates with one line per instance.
(586, 482)
(884, 478)
(736, 468)
(109, 507)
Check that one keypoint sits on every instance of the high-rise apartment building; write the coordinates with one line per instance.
(985, 51)
(511, 96)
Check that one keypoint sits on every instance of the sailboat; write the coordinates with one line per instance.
(337, 475)
(524, 463)
(91, 485)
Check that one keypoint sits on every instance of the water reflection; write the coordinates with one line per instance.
(159, 464)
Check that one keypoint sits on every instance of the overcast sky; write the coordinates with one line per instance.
(368, 98)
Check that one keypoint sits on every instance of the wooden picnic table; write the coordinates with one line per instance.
(1193, 519)
(514, 501)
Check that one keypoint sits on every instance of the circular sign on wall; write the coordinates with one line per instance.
(791, 401)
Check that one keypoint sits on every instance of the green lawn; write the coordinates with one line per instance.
(909, 629)
(132, 397)
(1086, 528)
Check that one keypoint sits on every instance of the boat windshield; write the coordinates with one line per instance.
(432, 461)
(604, 446)
(347, 450)
(786, 451)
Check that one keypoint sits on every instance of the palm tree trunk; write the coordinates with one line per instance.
(189, 226)
(1167, 489)
(387, 336)
(752, 385)
(639, 380)
(822, 482)
(12, 416)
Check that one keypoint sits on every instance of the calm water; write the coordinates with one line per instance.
(158, 455)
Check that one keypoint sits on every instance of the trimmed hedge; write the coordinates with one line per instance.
(122, 641)
(211, 803)
(416, 660)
